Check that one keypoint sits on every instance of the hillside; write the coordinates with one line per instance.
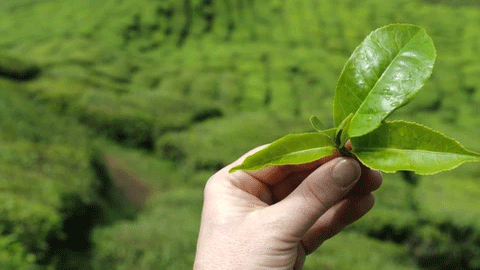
(115, 113)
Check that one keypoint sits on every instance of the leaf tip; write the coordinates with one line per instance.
(234, 169)
(316, 123)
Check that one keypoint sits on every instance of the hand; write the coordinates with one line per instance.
(273, 218)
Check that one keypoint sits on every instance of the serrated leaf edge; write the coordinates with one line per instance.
(405, 102)
(474, 157)
(242, 167)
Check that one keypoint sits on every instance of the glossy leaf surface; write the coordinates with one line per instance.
(291, 149)
(384, 73)
(401, 145)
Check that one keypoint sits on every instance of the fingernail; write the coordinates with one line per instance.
(346, 171)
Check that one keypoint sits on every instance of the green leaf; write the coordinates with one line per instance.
(316, 123)
(291, 149)
(401, 145)
(318, 126)
(384, 73)
(341, 133)
(330, 132)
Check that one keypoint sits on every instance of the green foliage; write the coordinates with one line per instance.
(161, 64)
(13, 255)
(136, 120)
(447, 198)
(156, 174)
(449, 203)
(314, 146)
(351, 250)
(206, 146)
(163, 237)
(30, 207)
(433, 249)
(122, 119)
(43, 163)
(316, 123)
(384, 73)
(394, 217)
(400, 145)
(17, 69)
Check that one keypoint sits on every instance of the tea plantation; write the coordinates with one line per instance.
(113, 115)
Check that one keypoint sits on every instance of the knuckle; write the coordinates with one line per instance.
(317, 195)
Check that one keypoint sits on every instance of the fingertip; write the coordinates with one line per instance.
(376, 178)
(346, 172)
(370, 201)
(361, 204)
(376, 174)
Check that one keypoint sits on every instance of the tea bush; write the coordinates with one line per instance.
(218, 142)
(44, 164)
(448, 204)
(164, 236)
(199, 83)
(394, 217)
(350, 250)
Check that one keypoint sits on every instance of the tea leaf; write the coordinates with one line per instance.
(384, 73)
(318, 126)
(401, 145)
(291, 149)
(316, 123)
(330, 132)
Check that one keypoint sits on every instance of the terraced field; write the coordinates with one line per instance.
(115, 113)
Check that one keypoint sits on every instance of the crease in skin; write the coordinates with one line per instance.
(336, 219)
(284, 188)
(252, 186)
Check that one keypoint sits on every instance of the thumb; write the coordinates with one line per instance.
(322, 189)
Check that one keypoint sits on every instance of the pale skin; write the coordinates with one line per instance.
(275, 217)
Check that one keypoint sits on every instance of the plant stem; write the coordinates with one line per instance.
(344, 152)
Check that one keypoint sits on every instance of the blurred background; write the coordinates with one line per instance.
(114, 113)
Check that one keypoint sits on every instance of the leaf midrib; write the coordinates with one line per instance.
(278, 157)
(413, 150)
(389, 65)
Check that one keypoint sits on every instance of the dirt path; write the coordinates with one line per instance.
(133, 187)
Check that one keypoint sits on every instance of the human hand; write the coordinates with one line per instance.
(273, 218)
